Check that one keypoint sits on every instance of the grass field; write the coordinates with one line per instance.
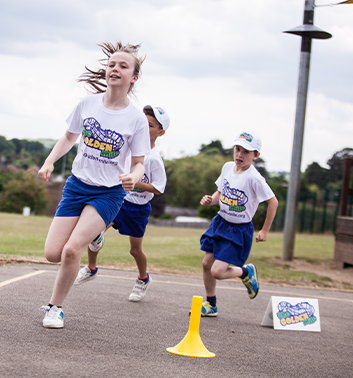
(170, 250)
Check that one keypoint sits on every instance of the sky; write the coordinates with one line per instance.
(218, 67)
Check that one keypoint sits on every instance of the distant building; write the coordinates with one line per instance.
(33, 170)
(13, 168)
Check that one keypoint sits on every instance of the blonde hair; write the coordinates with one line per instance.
(95, 80)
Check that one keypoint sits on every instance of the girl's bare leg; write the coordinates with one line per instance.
(139, 256)
(83, 230)
(59, 233)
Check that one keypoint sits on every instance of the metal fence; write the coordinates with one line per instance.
(316, 213)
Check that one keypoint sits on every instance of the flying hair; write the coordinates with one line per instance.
(95, 81)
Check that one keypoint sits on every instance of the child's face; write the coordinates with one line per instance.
(155, 130)
(120, 70)
(243, 158)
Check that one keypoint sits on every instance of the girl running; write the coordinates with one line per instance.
(109, 162)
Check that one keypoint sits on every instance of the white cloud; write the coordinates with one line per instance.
(215, 65)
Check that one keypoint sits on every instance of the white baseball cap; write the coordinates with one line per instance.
(161, 115)
(248, 140)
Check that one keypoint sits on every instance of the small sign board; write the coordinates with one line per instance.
(292, 314)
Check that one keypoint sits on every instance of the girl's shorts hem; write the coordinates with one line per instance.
(77, 194)
(229, 242)
(132, 219)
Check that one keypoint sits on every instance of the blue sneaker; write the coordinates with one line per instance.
(85, 275)
(250, 281)
(208, 310)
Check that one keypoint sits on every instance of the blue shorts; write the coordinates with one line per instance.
(132, 219)
(229, 242)
(76, 195)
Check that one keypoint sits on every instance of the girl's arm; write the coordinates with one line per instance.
(270, 215)
(208, 200)
(129, 180)
(147, 187)
(63, 146)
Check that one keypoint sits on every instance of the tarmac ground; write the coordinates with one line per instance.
(105, 335)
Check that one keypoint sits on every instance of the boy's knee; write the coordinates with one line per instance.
(216, 273)
(207, 264)
(134, 252)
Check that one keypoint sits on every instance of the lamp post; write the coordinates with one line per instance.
(308, 32)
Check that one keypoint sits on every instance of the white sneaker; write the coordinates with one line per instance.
(97, 243)
(85, 275)
(54, 317)
(140, 289)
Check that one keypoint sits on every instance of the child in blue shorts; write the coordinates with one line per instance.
(133, 216)
(109, 162)
(229, 238)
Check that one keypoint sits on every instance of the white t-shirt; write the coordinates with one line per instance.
(241, 194)
(109, 139)
(154, 175)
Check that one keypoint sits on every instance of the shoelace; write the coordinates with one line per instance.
(139, 286)
(48, 313)
(87, 272)
(45, 308)
(247, 283)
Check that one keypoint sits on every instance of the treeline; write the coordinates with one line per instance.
(25, 153)
(328, 178)
(20, 186)
(21, 152)
(189, 178)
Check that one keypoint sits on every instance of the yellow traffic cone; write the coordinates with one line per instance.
(191, 345)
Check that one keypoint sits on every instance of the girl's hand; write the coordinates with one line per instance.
(127, 181)
(46, 171)
(206, 200)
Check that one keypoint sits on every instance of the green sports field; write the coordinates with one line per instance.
(171, 250)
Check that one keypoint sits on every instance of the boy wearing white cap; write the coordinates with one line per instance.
(133, 216)
(229, 238)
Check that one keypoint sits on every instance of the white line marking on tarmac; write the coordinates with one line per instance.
(4, 283)
(281, 293)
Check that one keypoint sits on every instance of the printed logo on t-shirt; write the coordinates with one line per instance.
(145, 180)
(107, 141)
(234, 198)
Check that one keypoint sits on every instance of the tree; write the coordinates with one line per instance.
(20, 190)
(315, 174)
(25, 153)
(336, 164)
(7, 149)
(70, 156)
(158, 203)
(191, 177)
(215, 148)
(259, 164)
(28, 153)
